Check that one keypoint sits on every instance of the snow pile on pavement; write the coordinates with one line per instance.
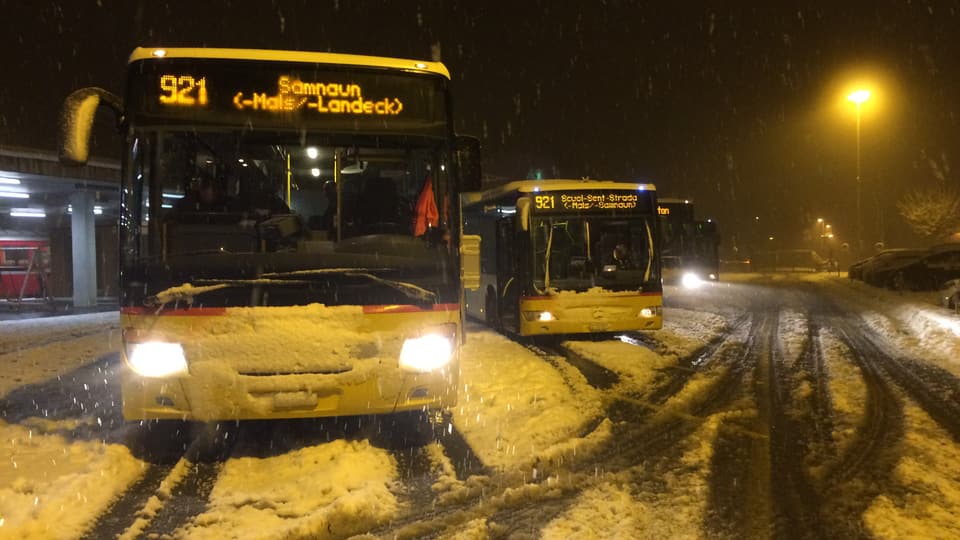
(848, 393)
(667, 501)
(513, 405)
(52, 487)
(33, 354)
(926, 502)
(636, 366)
(685, 331)
(912, 321)
(332, 490)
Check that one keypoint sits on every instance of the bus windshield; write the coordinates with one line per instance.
(577, 253)
(234, 206)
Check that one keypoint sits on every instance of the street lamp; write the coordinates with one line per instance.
(859, 97)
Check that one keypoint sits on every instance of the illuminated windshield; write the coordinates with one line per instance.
(228, 205)
(580, 253)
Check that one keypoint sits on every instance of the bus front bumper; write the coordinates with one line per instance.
(572, 313)
(217, 394)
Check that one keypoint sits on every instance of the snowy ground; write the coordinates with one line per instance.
(547, 439)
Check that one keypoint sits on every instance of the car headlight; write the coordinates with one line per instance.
(157, 359)
(428, 352)
(691, 281)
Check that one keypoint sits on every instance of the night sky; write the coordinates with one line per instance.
(739, 108)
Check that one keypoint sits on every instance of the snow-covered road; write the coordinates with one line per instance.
(768, 406)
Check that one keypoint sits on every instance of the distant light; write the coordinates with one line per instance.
(859, 96)
(819, 220)
(159, 53)
(757, 218)
(771, 238)
(686, 201)
(246, 164)
(830, 235)
(420, 65)
(545, 316)
(28, 212)
(709, 220)
(97, 209)
(641, 188)
(536, 189)
(14, 195)
(312, 152)
(829, 226)
(315, 172)
(443, 167)
(165, 205)
(10, 181)
(173, 195)
(691, 281)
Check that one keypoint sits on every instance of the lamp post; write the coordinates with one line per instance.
(859, 97)
(822, 232)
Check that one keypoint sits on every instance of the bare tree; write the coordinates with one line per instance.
(931, 212)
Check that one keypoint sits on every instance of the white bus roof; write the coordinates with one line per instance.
(535, 186)
(148, 53)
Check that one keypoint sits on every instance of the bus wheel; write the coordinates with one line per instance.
(492, 315)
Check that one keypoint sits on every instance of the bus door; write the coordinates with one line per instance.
(508, 282)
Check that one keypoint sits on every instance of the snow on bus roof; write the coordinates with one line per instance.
(148, 53)
(535, 186)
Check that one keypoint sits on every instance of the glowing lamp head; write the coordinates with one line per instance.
(159, 53)
(545, 316)
(859, 96)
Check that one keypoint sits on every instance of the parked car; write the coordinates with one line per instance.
(924, 274)
(855, 270)
(887, 259)
(950, 295)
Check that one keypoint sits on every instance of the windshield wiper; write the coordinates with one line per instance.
(184, 292)
(408, 289)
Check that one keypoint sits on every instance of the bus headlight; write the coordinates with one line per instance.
(650, 312)
(426, 353)
(691, 281)
(542, 316)
(157, 359)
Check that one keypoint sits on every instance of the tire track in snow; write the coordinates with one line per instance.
(820, 402)
(863, 471)
(516, 504)
(185, 491)
(739, 501)
(648, 438)
(796, 505)
(936, 390)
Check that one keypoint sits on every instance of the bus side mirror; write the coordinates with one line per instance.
(523, 214)
(470, 261)
(468, 162)
(76, 122)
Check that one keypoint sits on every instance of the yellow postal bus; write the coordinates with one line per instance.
(288, 246)
(566, 257)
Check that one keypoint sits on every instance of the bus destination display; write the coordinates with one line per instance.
(591, 201)
(277, 94)
(292, 94)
